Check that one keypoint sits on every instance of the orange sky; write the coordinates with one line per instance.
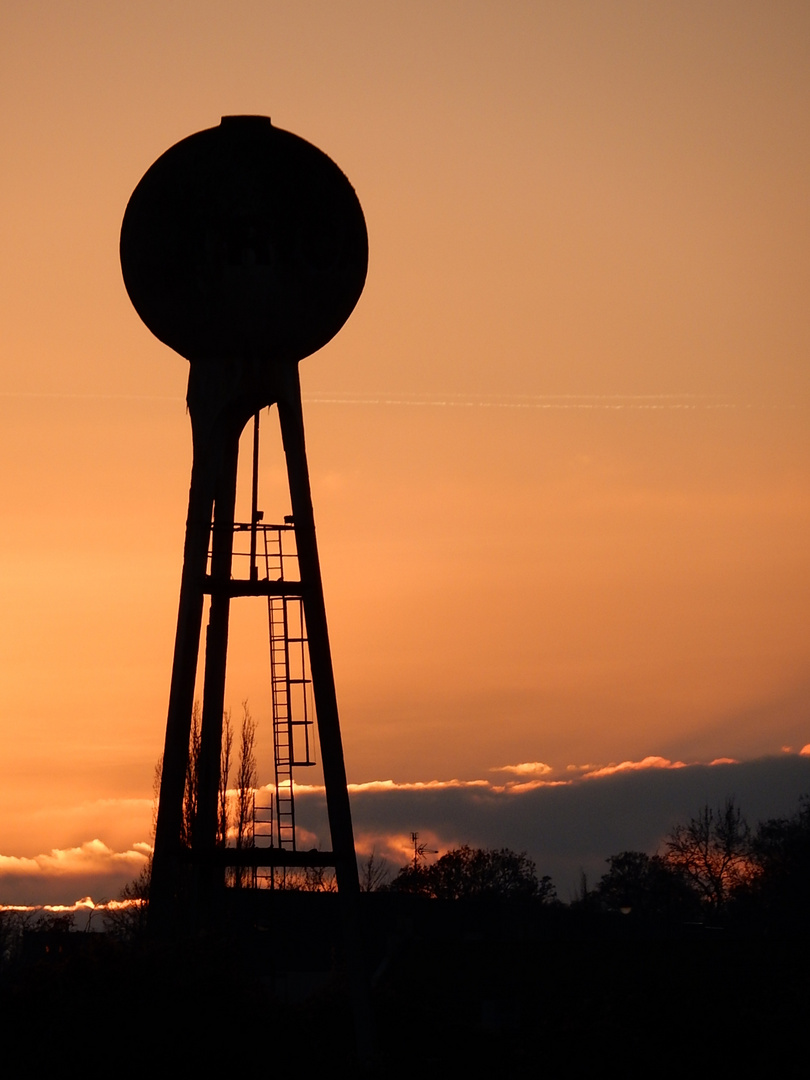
(560, 452)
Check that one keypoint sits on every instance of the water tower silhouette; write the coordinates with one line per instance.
(244, 248)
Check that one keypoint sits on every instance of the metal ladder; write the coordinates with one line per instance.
(280, 687)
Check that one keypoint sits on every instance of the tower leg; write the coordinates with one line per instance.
(320, 656)
(208, 878)
(167, 854)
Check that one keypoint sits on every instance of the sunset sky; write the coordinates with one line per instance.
(560, 453)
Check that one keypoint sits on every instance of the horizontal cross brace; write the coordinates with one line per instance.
(243, 587)
(263, 856)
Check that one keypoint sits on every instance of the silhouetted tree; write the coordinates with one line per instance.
(127, 920)
(308, 879)
(13, 925)
(245, 786)
(714, 854)
(156, 778)
(54, 922)
(466, 873)
(374, 874)
(645, 885)
(780, 851)
(192, 790)
(224, 775)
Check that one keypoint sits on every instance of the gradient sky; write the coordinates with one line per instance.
(560, 453)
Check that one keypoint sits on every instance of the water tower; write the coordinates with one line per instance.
(244, 248)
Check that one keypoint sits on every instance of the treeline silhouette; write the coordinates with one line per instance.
(718, 870)
(714, 869)
(700, 949)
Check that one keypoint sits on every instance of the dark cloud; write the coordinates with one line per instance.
(574, 827)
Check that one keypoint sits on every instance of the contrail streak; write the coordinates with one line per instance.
(528, 401)
(63, 395)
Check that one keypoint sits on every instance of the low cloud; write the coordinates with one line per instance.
(416, 785)
(591, 773)
(57, 877)
(525, 768)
